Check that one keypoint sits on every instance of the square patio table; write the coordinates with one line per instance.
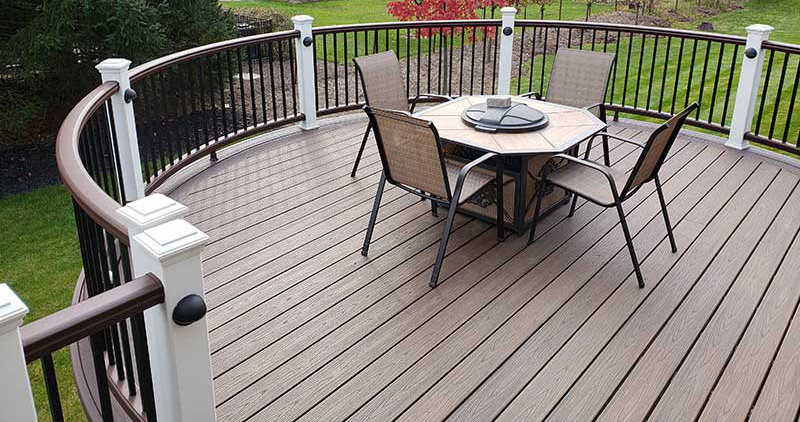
(520, 155)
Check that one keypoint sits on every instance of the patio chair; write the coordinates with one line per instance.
(412, 158)
(579, 78)
(382, 80)
(600, 184)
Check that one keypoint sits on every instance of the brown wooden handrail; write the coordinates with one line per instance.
(91, 198)
(90, 316)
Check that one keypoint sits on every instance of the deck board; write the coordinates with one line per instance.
(302, 327)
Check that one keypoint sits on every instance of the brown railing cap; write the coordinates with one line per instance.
(90, 316)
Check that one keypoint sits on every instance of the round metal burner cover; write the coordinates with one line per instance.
(517, 118)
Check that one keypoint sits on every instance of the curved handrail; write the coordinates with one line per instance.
(80, 184)
(162, 63)
(636, 29)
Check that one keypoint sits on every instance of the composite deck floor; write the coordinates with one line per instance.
(302, 327)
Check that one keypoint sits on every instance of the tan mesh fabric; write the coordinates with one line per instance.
(588, 182)
(383, 81)
(411, 152)
(475, 180)
(579, 78)
(656, 150)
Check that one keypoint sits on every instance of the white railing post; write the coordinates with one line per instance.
(116, 70)
(305, 71)
(16, 399)
(747, 91)
(506, 51)
(177, 333)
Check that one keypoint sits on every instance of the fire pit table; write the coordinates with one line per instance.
(523, 135)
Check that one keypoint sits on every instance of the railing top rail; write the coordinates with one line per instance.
(89, 316)
(781, 46)
(80, 184)
(636, 29)
(408, 24)
(162, 63)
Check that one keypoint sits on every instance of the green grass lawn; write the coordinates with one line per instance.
(39, 255)
(39, 259)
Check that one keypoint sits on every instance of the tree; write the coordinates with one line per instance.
(52, 47)
(416, 10)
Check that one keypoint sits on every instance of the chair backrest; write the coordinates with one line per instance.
(655, 151)
(382, 81)
(410, 151)
(579, 77)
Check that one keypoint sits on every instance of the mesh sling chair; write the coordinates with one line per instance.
(600, 184)
(579, 78)
(412, 158)
(384, 88)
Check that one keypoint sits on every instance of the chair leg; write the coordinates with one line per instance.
(374, 216)
(536, 210)
(448, 225)
(434, 208)
(666, 215)
(606, 157)
(574, 204)
(361, 150)
(629, 241)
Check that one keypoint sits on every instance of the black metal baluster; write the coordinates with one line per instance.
(431, 37)
(419, 57)
(497, 31)
(664, 76)
(283, 78)
(653, 72)
(677, 78)
(51, 386)
(139, 336)
(222, 101)
(472, 60)
(450, 66)
(627, 70)
(439, 83)
(188, 120)
(116, 279)
(346, 87)
(355, 72)
(232, 93)
(533, 60)
(790, 112)
(335, 73)
(691, 74)
(165, 119)
(544, 61)
(730, 85)
(519, 66)
(242, 95)
(292, 78)
(151, 133)
(260, 56)
(639, 73)
(408, 62)
(253, 108)
(764, 92)
(316, 75)
(716, 82)
(703, 81)
(461, 63)
(777, 104)
(273, 96)
(193, 106)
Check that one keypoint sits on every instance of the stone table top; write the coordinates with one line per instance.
(567, 127)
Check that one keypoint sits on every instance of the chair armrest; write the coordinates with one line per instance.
(428, 95)
(586, 163)
(619, 138)
(462, 174)
(533, 94)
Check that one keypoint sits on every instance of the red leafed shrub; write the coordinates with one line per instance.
(424, 10)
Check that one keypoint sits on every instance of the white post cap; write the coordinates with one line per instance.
(759, 29)
(113, 65)
(299, 19)
(171, 240)
(12, 309)
(151, 211)
(508, 10)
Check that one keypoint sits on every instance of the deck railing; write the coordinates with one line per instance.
(191, 104)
